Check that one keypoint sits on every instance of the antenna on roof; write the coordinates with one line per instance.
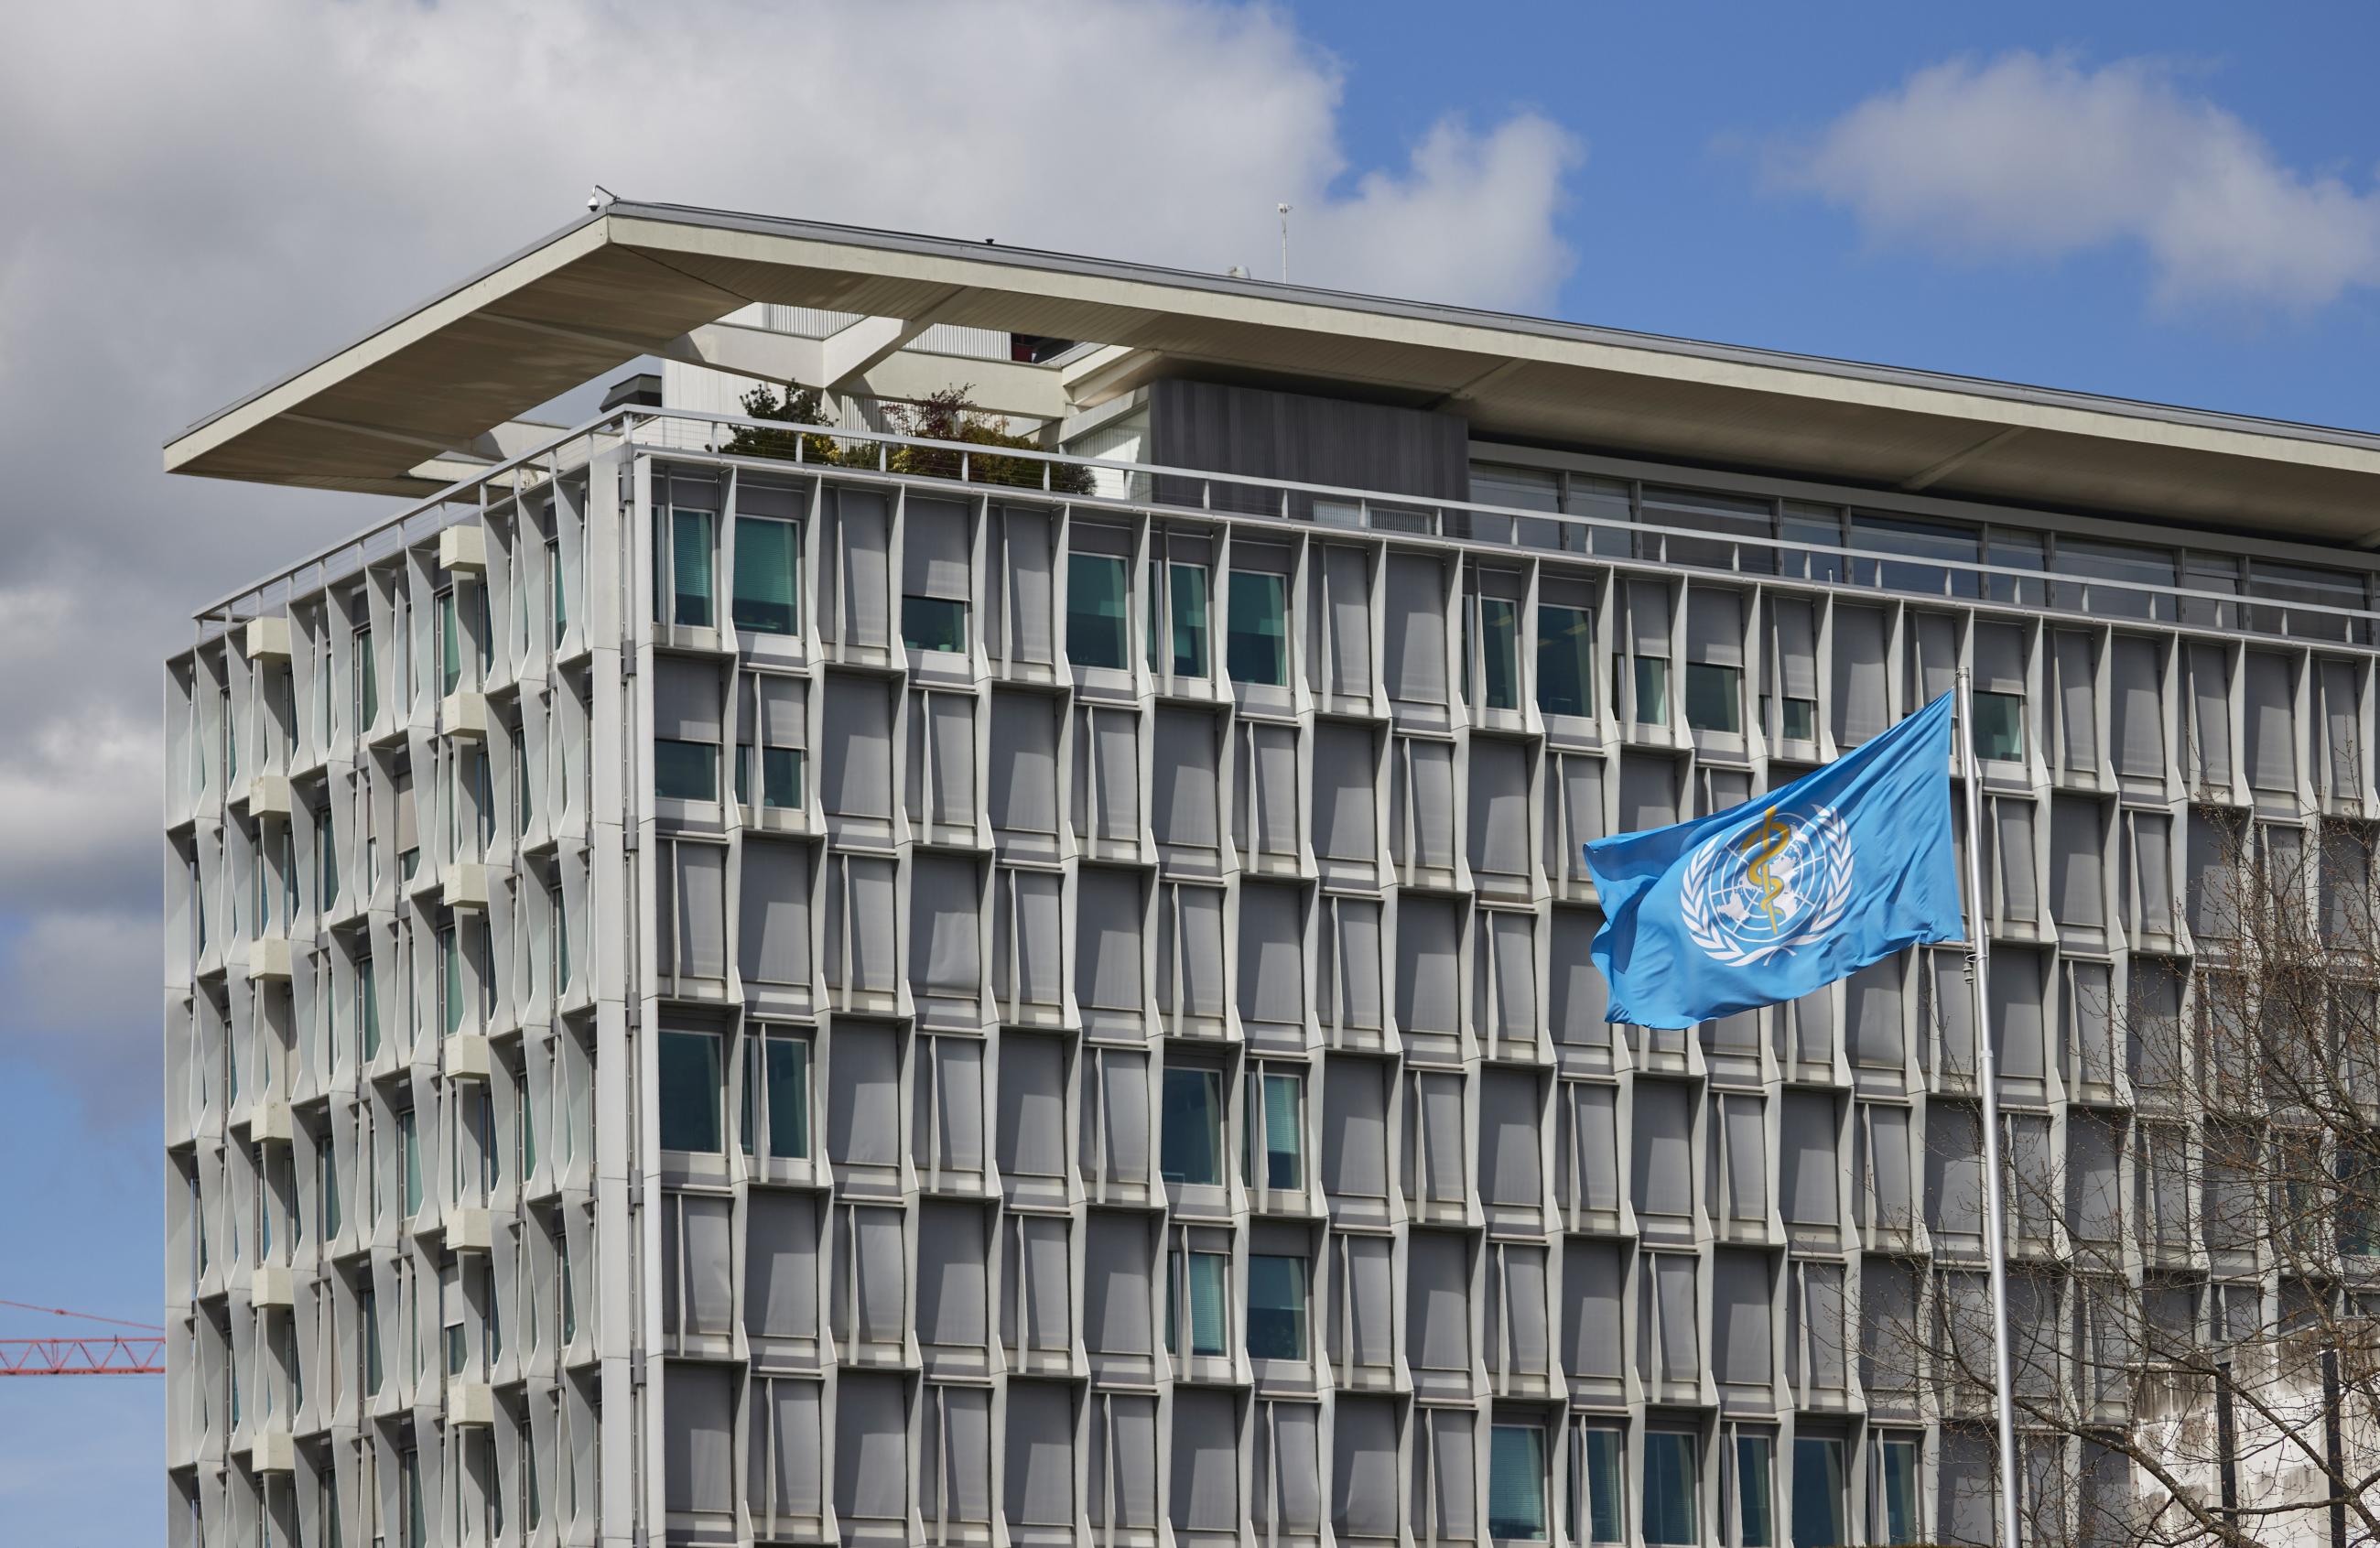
(599, 196)
(1284, 241)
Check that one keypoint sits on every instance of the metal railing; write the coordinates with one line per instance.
(1161, 489)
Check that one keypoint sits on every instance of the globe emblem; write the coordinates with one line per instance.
(1778, 884)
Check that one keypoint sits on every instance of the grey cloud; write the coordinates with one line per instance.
(205, 197)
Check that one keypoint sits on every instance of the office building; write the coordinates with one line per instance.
(730, 983)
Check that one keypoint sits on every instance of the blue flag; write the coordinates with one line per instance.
(1787, 893)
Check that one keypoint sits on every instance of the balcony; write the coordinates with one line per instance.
(1884, 554)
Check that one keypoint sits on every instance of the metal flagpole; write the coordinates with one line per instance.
(1988, 1065)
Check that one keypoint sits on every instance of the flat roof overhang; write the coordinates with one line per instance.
(633, 278)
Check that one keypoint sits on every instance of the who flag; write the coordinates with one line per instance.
(1787, 893)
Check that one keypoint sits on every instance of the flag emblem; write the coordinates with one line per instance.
(1766, 890)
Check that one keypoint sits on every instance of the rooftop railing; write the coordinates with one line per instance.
(1131, 486)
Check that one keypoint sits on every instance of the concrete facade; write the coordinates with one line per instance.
(711, 999)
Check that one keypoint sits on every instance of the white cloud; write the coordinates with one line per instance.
(203, 198)
(2037, 158)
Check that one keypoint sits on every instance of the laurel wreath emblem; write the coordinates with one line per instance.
(1704, 927)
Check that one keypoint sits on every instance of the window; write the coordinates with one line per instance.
(1669, 1488)
(408, 1144)
(1499, 654)
(326, 863)
(780, 777)
(1191, 1144)
(1754, 1524)
(933, 624)
(1198, 1278)
(1565, 661)
(449, 643)
(1185, 607)
(450, 983)
(1652, 690)
(1713, 696)
(368, 1006)
(557, 909)
(777, 1075)
(682, 546)
(1818, 1491)
(1275, 1125)
(416, 1512)
(553, 585)
(1798, 720)
(1095, 610)
(524, 803)
(767, 576)
(1897, 1458)
(1597, 1472)
(687, 771)
(689, 1080)
(368, 1315)
(1276, 1307)
(2000, 725)
(1257, 649)
(1516, 1483)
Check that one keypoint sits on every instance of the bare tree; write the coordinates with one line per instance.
(2194, 1236)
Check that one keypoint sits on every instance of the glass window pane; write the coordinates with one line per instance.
(1095, 610)
(1565, 661)
(1800, 720)
(1276, 1307)
(1818, 1491)
(1257, 651)
(1500, 648)
(1669, 1488)
(1209, 1272)
(1652, 690)
(780, 777)
(1189, 614)
(690, 563)
(685, 771)
(1899, 1492)
(933, 624)
(1713, 699)
(450, 644)
(1516, 1483)
(1603, 1512)
(789, 1098)
(690, 1088)
(561, 596)
(1284, 1136)
(767, 576)
(2000, 725)
(1755, 1516)
(1192, 1139)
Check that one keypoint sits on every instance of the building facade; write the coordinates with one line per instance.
(727, 986)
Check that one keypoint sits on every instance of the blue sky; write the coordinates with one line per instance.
(1707, 171)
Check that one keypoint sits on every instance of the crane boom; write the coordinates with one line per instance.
(113, 1356)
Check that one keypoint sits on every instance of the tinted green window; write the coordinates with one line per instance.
(1186, 621)
(1799, 721)
(682, 568)
(1516, 1483)
(368, 1006)
(561, 595)
(1192, 1138)
(1818, 1491)
(1282, 1164)
(780, 777)
(1601, 1510)
(689, 1096)
(409, 1138)
(1095, 610)
(367, 681)
(2000, 726)
(450, 644)
(1565, 661)
(767, 576)
(1202, 1275)
(330, 1205)
(685, 771)
(1713, 701)
(368, 1313)
(1257, 649)
(1900, 1459)
(1499, 654)
(933, 624)
(1753, 1513)
(1276, 1307)
(449, 982)
(1670, 1489)
(1652, 690)
(777, 1070)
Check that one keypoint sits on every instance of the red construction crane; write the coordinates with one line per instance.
(98, 1355)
